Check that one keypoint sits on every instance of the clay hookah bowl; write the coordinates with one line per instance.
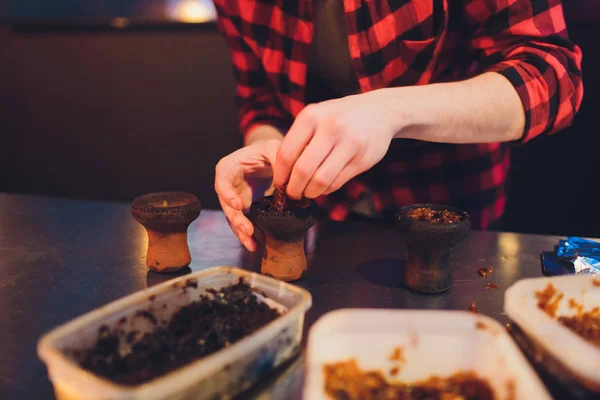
(284, 257)
(430, 244)
(166, 217)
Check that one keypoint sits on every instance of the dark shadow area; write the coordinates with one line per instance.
(553, 180)
(385, 272)
(559, 381)
(112, 115)
(154, 278)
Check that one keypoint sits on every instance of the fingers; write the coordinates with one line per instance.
(270, 149)
(327, 174)
(234, 192)
(240, 225)
(231, 170)
(317, 151)
(226, 175)
(348, 172)
(293, 145)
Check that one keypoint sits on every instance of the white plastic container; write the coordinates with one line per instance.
(580, 358)
(433, 343)
(219, 375)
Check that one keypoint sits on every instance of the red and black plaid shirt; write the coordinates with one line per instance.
(413, 42)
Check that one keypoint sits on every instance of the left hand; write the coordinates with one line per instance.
(331, 142)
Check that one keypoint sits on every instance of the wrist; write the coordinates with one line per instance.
(401, 108)
(262, 133)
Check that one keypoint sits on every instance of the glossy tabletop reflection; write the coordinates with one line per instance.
(62, 258)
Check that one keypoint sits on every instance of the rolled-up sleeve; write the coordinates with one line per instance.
(256, 100)
(526, 41)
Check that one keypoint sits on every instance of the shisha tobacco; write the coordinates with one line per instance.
(281, 202)
(279, 199)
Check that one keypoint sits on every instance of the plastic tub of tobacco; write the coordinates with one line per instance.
(208, 335)
(556, 321)
(356, 354)
(283, 223)
(431, 231)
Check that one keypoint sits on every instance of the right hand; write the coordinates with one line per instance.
(241, 177)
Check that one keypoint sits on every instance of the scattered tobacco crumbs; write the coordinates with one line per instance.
(484, 272)
(196, 330)
(148, 315)
(346, 381)
(394, 371)
(596, 282)
(575, 305)
(152, 297)
(473, 307)
(491, 286)
(191, 283)
(398, 354)
(549, 299)
(480, 325)
(435, 216)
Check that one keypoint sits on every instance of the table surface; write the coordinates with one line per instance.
(62, 258)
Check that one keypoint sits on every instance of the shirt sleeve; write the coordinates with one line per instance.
(526, 41)
(256, 100)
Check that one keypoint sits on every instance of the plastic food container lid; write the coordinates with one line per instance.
(432, 343)
(580, 357)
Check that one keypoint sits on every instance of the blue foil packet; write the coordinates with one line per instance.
(582, 254)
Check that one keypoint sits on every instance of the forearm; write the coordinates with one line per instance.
(484, 109)
(262, 132)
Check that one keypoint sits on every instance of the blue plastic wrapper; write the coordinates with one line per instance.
(583, 254)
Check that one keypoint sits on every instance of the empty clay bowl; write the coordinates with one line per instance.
(430, 245)
(284, 257)
(166, 217)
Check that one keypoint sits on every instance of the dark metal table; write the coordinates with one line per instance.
(60, 259)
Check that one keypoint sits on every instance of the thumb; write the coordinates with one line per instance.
(227, 176)
(270, 149)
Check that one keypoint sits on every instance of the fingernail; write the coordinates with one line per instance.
(249, 245)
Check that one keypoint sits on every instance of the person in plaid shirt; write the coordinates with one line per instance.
(370, 105)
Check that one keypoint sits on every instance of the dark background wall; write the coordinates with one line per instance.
(112, 114)
(556, 178)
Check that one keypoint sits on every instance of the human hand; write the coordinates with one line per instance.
(239, 178)
(331, 142)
